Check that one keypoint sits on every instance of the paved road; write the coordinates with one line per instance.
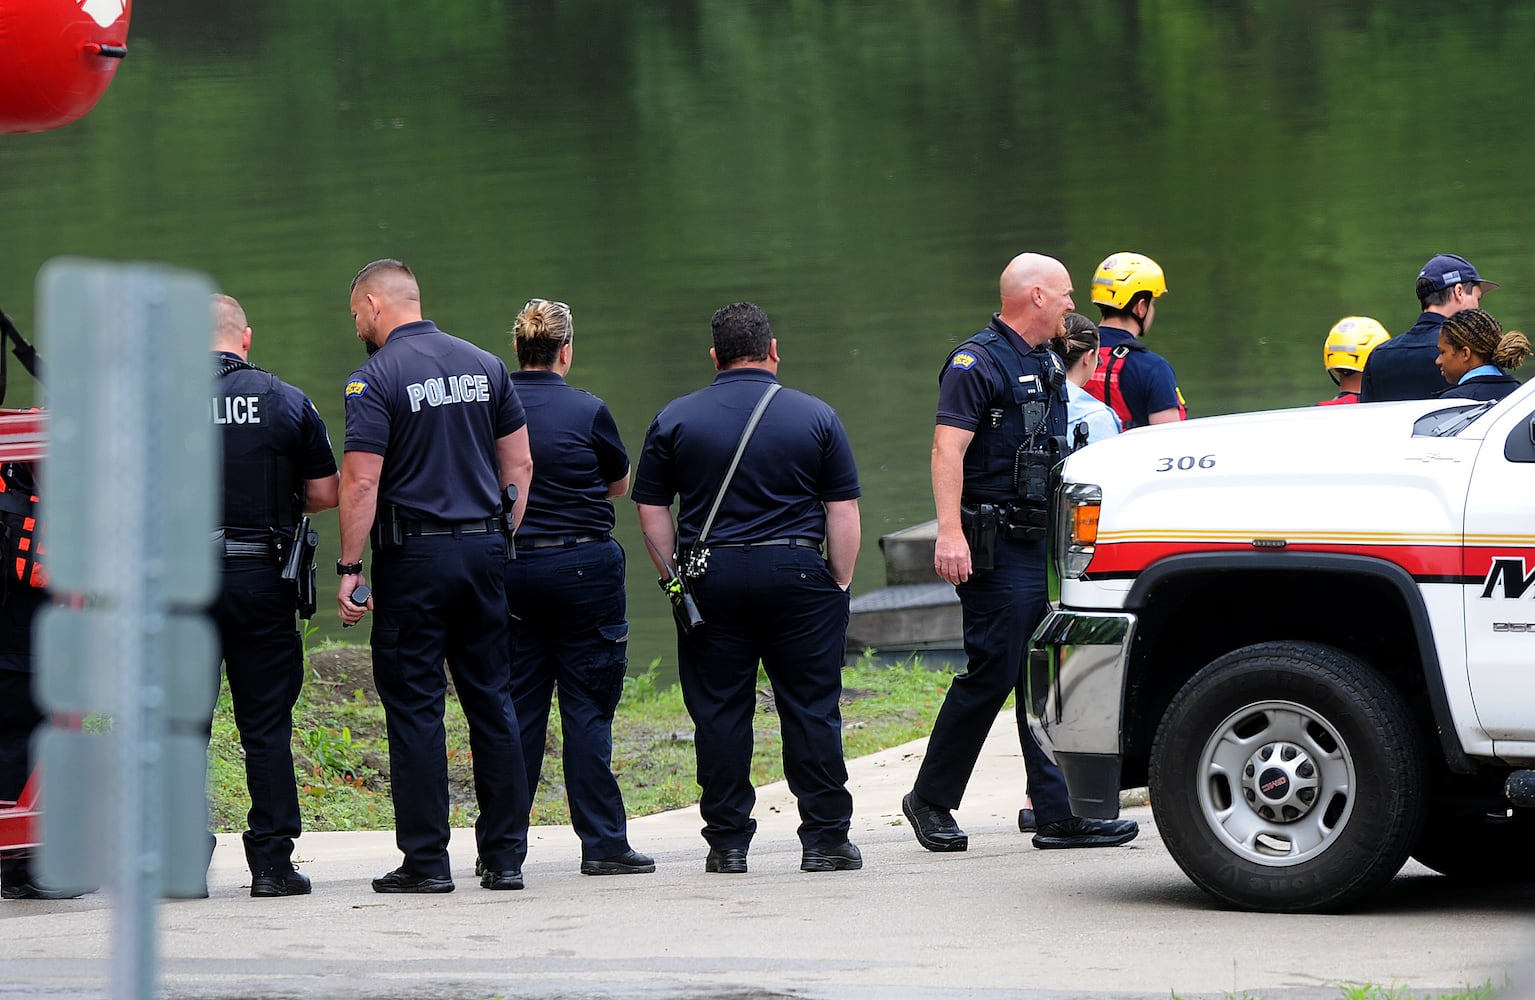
(1002, 920)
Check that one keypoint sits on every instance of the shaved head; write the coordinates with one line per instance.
(388, 279)
(385, 296)
(1036, 296)
(229, 325)
(1026, 271)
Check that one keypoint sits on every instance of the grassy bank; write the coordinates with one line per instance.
(342, 761)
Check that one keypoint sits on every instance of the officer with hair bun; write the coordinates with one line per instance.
(1473, 353)
(435, 435)
(565, 589)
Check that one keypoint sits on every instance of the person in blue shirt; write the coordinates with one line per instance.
(565, 589)
(1405, 367)
(763, 589)
(1087, 417)
(1133, 381)
(435, 435)
(1474, 353)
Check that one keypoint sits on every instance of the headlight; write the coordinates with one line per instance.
(1076, 527)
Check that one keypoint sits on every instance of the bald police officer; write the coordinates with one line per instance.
(434, 436)
(278, 465)
(1001, 426)
(765, 592)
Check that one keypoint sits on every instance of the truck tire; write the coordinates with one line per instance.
(1287, 777)
(1479, 849)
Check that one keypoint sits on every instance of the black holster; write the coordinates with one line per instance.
(981, 523)
(388, 532)
(298, 567)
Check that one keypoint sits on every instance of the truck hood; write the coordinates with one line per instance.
(1332, 478)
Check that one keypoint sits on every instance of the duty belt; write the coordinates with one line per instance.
(558, 541)
(793, 543)
(427, 528)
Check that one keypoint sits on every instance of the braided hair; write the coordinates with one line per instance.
(1478, 332)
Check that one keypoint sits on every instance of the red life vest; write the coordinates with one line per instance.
(1341, 399)
(18, 510)
(1104, 385)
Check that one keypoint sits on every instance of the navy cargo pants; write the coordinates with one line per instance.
(571, 634)
(263, 658)
(1001, 608)
(779, 605)
(442, 598)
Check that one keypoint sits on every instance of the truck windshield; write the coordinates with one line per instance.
(1448, 423)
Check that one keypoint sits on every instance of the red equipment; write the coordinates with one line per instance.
(57, 58)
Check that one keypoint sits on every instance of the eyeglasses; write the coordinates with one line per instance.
(553, 302)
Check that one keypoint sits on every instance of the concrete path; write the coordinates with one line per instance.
(1002, 920)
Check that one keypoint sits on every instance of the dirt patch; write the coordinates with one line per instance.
(340, 674)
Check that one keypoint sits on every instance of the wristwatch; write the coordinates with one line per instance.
(348, 569)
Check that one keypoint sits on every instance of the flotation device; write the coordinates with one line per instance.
(57, 58)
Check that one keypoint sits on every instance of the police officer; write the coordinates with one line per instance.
(1405, 367)
(1001, 426)
(277, 465)
(434, 436)
(22, 579)
(565, 589)
(765, 592)
(1136, 383)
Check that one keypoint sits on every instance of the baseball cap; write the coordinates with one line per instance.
(1446, 270)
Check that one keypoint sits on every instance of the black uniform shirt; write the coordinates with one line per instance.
(434, 406)
(1403, 367)
(799, 458)
(273, 440)
(576, 453)
(971, 383)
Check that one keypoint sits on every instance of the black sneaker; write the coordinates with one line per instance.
(1026, 822)
(277, 882)
(934, 826)
(30, 889)
(843, 857)
(726, 861)
(401, 880)
(631, 862)
(1075, 831)
(509, 878)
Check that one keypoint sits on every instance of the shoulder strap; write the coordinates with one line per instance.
(746, 435)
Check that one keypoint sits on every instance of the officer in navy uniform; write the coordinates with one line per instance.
(277, 465)
(1001, 427)
(1405, 367)
(435, 471)
(565, 589)
(765, 592)
(22, 580)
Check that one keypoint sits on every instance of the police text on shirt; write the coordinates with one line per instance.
(236, 409)
(453, 389)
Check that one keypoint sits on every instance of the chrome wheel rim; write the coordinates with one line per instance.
(1276, 783)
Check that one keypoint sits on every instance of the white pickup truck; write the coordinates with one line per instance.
(1312, 634)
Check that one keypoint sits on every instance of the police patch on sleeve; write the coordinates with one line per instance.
(964, 359)
(356, 388)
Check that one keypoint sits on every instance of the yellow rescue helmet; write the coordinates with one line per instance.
(1350, 342)
(1122, 275)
